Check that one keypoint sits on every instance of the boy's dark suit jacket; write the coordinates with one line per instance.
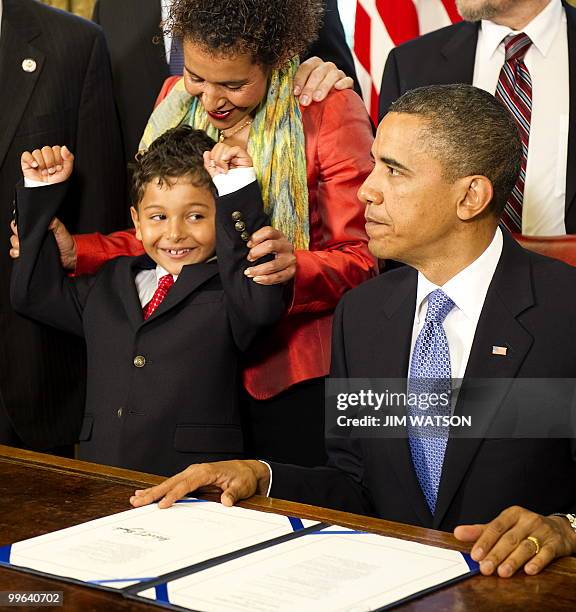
(162, 393)
(139, 66)
(447, 56)
(529, 308)
(66, 99)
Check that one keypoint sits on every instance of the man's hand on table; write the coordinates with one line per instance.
(502, 545)
(236, 480)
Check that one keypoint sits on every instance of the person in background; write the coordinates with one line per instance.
(143, 57)
(164, 331)
(524, 52)
(55, 86)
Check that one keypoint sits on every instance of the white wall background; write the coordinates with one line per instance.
(347, 10)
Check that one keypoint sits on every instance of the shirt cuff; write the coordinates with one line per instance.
(270, 472)
(32, 183)
(234, 180)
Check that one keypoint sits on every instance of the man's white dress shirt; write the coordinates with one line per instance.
(468, 291)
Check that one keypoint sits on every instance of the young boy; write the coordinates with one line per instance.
(164, 331)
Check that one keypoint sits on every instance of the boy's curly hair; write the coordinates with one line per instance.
(176, 153)
(271, 31)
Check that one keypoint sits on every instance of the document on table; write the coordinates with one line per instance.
(333, 570)
(144, 543)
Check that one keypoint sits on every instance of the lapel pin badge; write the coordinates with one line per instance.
(29, 65)
(500, 350)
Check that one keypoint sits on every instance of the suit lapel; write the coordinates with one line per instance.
(191, 278)
(19, 28)
(571, 162)
(459, 54)
(509, 295)
(125, 287)
(398, 313)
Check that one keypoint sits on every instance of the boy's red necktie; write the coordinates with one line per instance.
(164, 285)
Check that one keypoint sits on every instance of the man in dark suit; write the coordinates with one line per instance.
(473, 52)
(471, 304)
(56, 87)
(140, 59)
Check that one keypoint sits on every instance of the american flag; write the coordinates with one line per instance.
(383, 24)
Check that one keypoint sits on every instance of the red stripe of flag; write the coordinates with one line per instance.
(400, 18)
(362, 37)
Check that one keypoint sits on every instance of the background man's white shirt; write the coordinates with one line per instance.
(544, 204)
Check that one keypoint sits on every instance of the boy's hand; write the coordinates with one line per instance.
(48, 165)
(223, 157)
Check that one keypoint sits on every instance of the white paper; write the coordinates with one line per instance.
(147, 542)
(331, 572)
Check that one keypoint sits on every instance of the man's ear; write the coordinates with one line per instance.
(475, 197)
(136, 221)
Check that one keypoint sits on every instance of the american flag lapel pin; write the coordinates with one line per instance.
(500, 350)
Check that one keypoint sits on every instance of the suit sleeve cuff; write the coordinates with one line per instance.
(270, 473)
(234, 180)
(29, 183)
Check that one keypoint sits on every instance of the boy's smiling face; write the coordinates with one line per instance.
(176, 223)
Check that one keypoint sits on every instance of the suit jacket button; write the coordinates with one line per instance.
(139, 361)
(245, 236)
(239, 226)
(119, 413)
(236, 215)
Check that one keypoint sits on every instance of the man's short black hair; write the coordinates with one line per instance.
(176, 153)
(470, 132)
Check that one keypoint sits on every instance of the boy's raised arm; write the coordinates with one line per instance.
(40, 288)
(239, 213)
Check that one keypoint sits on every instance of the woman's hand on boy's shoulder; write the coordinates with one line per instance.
(224, 157)
(48, 165)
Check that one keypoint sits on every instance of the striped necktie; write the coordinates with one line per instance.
(164, 285)
(176, 57)
(514, 90)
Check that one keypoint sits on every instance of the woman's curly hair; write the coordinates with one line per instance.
(176, 153)
(271, 31)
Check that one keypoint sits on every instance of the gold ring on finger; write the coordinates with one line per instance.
(536, 543)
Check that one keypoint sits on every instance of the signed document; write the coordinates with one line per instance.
(334, 569)
(144, 543)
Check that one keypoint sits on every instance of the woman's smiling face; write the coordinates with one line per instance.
(230, 87)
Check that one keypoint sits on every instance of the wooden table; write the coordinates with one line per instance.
(40, 493)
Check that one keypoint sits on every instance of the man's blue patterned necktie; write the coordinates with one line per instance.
(430, 372)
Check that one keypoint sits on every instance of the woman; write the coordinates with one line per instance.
(309, 162)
